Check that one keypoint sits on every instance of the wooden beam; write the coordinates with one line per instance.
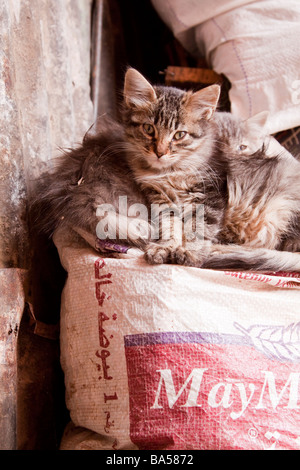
(180, 75)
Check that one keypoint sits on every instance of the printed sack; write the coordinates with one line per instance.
(172, 357)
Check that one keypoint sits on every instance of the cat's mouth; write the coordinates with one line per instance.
(161, 161)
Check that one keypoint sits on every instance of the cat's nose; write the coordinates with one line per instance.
(161, 150)
(159, 154)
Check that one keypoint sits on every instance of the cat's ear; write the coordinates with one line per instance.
(138, 92)
(258, 120)
(203, 103)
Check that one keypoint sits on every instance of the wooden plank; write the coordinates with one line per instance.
(175, 75)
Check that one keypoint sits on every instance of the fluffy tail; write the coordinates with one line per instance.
(251, 259)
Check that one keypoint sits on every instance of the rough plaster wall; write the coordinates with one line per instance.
(44, 105)
(44, 98)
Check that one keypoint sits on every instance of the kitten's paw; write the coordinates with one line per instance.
(175, 254)
(189, 257)
(157, 254)
(185, 257)
(178, 256)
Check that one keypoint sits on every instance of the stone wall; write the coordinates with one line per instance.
(45, 105)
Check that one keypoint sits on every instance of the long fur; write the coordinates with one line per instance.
(84, 178)
(251, 201)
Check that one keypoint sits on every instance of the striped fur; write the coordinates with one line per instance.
(251, 198)
(251, 203)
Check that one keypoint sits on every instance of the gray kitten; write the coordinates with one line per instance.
(94, 175)
(245, 137)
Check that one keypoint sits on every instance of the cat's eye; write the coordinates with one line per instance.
(179, 135)
(148, 129)
(242, 147)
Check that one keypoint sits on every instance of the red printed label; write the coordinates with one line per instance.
(211, 391)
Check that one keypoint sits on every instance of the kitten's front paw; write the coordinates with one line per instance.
(185, 257)
(189, 257)
(157, 254)
(175, 254)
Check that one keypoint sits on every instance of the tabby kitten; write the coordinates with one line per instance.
(251, 203)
